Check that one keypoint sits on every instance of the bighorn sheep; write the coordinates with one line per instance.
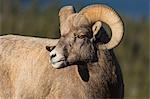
(88, 66)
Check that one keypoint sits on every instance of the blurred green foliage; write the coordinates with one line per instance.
(133, 55)
(31, 21)
(133, 52)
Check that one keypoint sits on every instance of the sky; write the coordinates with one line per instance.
(130, 8)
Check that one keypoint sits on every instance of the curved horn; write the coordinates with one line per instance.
(107, 15)
(64, 13)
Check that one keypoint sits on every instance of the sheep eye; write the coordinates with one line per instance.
(81, 36)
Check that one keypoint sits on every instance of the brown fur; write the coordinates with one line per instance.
(25, 73)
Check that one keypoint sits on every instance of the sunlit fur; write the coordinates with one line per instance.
(25, 73)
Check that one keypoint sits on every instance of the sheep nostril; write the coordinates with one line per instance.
(54, 55)
(50, 48)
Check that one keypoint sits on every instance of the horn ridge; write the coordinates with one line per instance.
(108, 15)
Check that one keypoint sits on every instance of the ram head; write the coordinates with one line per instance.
(77, 43)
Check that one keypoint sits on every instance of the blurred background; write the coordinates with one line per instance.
(39, 18)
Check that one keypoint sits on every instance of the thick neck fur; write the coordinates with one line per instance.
(104, 75)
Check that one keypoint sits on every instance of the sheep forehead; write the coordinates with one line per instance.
(80, 21)
(73, 23)
(67, 25)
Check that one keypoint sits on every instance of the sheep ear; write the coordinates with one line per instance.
(95, 28)
(64, 13)
(50, 48)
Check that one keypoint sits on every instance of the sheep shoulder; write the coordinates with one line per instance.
(23, 62)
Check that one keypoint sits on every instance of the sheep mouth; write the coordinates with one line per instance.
(59, 64)
(58, 61)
